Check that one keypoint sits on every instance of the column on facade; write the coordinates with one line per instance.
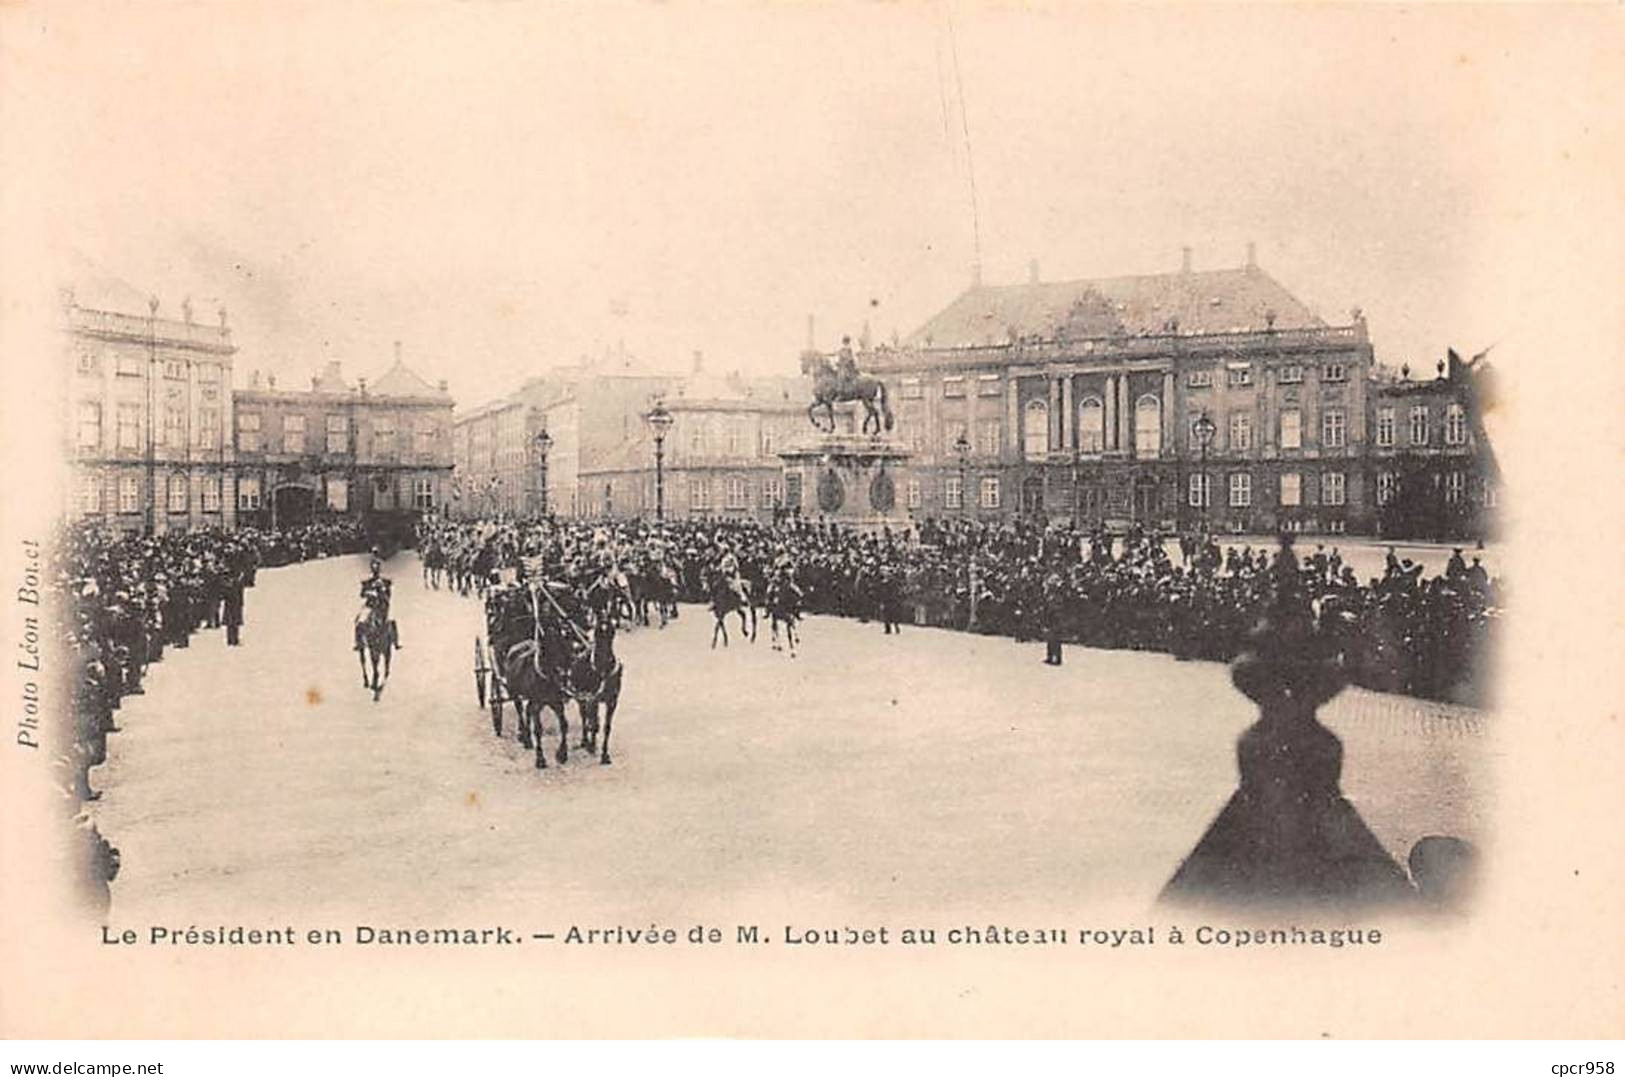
(1013, 444)
(1125, 416)
(1054, 411)
(1111, 412)
(1170, 420)
(1069, 415)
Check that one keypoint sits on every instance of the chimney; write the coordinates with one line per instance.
(1185, 260)
(361, 386)
(1252, 255)
(699, 361)
(186, 310)
(270, 381)
(1032, 271)
(442, 383)
(254, 383)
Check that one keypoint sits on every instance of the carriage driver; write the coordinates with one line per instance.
(375, 591)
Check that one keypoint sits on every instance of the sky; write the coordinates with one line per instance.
(506, 186)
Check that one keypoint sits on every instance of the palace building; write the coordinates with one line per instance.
(382, 449)
(148, 410)
(1168, 400)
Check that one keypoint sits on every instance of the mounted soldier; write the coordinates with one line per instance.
(375, 595)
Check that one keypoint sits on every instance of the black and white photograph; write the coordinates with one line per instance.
(864, 505)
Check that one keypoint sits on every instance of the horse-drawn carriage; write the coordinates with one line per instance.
(542, 649)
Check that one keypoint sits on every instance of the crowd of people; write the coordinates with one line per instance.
(1402, 631)
(126, 599)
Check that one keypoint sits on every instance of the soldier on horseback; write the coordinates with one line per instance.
(375, 595)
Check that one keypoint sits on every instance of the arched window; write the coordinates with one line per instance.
(1035, 434)
(1091, 425)
(1147, 426)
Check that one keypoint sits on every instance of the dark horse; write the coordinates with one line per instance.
(731, 596)
(591, 677)
(374, 639)
(783, 600)
(829, 389)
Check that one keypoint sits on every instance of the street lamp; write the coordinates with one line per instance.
(962, 451)
(1203, 429)
(659, 420)
(544, 442)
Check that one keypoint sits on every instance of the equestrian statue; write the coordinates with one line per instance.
(842, 382)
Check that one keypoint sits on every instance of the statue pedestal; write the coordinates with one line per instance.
(849, 479)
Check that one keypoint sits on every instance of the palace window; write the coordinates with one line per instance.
(423, 493)
(1147, 426)
(767, 439)
(1240, 374)
(90, 493)
(1291, 489)
(1455, 425)
(1291, 428)
(383, 436)
(129, 426)
(912, 389)
(699, 493)
(90, 424)
(208, 372)
(987, 437)
(1201, 490)
(1241, 490)
(1332, 489)
(738, 492)
(248, 431)
(1334, 372)
(953, 387)
(129, 494)
(1419, 424)
(1333, 428)
(128, 363)
(248, 493)
(1035, 430)
(990, 492)
(338, 431)
(1455, 484)
(211, 493)
(175, 427)
(1091, 425)
(913, 494)
(1241, 432)
(338, 493)
(696, 438)
(952, 493)
(987, 385)
(174, 370)
(772, 496)
(425, 440)
(951, 433)
(293, 433)
(177, 492)
(1385, 427)
(1386, 481)
(208, 426)
(1290, 374)
(1199, 379)
(736, 439)
(88, 363)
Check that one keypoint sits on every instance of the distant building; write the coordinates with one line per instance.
(383, 448)
(1431, 465)
(720, 455)
(149, 407)
(1087, 400)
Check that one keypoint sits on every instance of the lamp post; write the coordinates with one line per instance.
(659, 420)
(962, 451)
(1203, 429)
(544, 442)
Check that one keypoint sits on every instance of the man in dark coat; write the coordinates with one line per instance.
(233, 606)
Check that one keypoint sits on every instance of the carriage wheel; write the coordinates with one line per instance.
(479, 671)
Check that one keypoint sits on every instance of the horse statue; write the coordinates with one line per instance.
(375, 639)
(833, 386)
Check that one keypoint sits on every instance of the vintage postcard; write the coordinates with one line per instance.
(938, 519)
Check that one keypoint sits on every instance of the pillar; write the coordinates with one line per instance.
(1069, 416)
(1054, 412)
(1111, 412)
(1170, 421)
(1012, 444)
(1125, 416)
